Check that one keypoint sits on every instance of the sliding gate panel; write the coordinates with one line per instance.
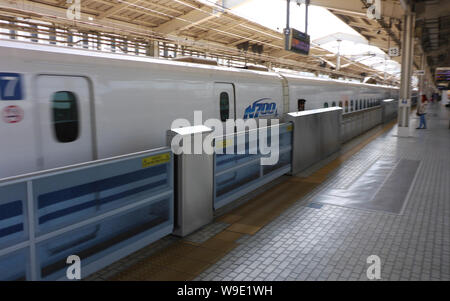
(99, 211)
(237, 163)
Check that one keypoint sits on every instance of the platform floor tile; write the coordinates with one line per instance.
(333, 242)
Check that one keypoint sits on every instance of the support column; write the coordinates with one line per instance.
(407, 68)
(152, 49)
(338, 56)
(12, 32)
(423, 77)
(52, 36)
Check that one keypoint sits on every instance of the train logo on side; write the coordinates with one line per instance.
(261, 108)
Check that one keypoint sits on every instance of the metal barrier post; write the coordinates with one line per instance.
(193, 178)
(317, 134)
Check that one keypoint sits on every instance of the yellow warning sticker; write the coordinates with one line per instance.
(289, 128)
(225, 143)
(155, 160)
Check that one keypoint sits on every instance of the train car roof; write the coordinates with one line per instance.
(126, 57)
(339, 81)
(65, 50)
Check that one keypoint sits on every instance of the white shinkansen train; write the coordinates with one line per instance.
(61, 106)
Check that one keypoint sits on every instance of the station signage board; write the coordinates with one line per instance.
(443, 75)
(297, 41)
(394, 51)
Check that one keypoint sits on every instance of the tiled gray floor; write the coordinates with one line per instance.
(207, 232)
(333, 243)
(132, 259)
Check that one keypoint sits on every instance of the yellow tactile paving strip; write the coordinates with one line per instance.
(183, 260)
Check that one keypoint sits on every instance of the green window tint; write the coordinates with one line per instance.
(65, 116)
(224, 106)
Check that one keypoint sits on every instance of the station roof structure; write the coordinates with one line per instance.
(178, 27)
(432, 26)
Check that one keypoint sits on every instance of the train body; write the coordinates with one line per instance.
(62, 106)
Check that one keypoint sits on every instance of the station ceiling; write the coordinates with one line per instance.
(432, 25)
(187, 24)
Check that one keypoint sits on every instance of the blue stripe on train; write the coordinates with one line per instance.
(66, 211)
(54, 197)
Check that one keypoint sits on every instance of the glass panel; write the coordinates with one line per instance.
(13, 212)
(224, 106)
(13, 265)
(96, 241)
(72, 197)
(301, 105)
(65, 116)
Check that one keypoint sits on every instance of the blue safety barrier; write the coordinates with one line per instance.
(99, 211)
(237, 163)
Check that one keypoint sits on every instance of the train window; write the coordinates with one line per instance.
(224, 106)
(346, 106)
(356, 105)
(365, 103)
(325, 105)
(340, 104)
(352, 105)
(301, 105)
(65, 116)
(333, 104)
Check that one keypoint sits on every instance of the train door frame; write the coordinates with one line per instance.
(86, 111)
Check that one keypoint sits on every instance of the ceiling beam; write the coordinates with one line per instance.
(195, 16)
(116, 8)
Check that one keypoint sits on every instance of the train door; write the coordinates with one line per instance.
(64, 120)
(224, 94)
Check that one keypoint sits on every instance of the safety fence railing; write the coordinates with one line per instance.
(99, 211)
(354, 124)
(390, 109)
(239, 166)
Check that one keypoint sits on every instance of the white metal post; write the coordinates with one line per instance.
(407, 64)
(31, 232)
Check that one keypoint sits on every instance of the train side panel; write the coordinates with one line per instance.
(18, 153)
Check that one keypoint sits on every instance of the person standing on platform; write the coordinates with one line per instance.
(422, 112)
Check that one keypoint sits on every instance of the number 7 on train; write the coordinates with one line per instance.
(10, 86)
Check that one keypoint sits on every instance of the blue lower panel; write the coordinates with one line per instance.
(13, 265)
(283, 161)
(94, 242)
(234, 179)
(12, 214)
(70, 198)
